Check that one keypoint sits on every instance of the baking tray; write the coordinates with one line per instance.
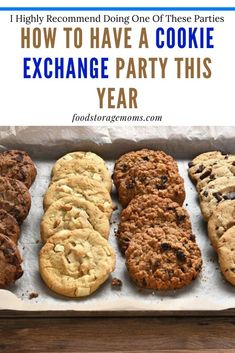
(210, 294)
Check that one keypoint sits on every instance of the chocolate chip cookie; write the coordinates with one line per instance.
(10, 262)
(135, 158)
(9, 226)
(226, 254)
(199, 171)
(215, 172)
(147, 179)
(18, 165)
(14, 198)
(216, 192)
(203, 157)
(163, 258)
(150, 211)
(222, 218)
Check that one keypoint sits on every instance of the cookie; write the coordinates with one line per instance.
(72, 213)
(199, 171)
(226, 254)
(147, 179)
(84, 167)
(18, 165)
(135, 158)
(203, 157)
(82, 187)
(150, 211)
(75, 263)
(9, 226)
(10, 262)
(163, 258)
(76, 156)
(216, 172)
(216, 192)
(14, 198)
(222, 218)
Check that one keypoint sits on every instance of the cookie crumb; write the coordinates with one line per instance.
(116, 283)
(33, 295)
(37, 241)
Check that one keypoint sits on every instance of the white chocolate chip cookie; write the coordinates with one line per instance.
(86, 167)
(71, 213)
(81, 187)
(75, 263)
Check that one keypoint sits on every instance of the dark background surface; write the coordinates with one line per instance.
(107, 334)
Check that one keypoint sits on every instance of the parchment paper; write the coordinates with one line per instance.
(45, 144)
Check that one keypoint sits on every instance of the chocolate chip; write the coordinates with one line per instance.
(145, 158)
(155, 264)
(180, 255)
(190, 164)
(233, 163)
(142, 179)
(200, 168)
(164, 179)
(218, 196)
(130, 186)
(8, 251)
(160, 186)
(230, 196)
(165, 246)
(19, 158)
(19, 274)
(205, 174)
(192, 237)
(212, 177)
(205, 193)
(124, 168)
(226, 157)
(170, 273)
(144, 283)
(180, 218)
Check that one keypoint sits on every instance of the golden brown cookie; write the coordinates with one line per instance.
(71, 213)
(74, 157)
(150, 211)
(75, 263)
(9, 226)
(10, 262)
(82, 187)
(135, 158)
(199, 171)
(17, 165)
(222, 218)
(226, 254)
(203, 157)
(147, 179)
(163, 258)
(14, 198)
(85, 167)
(217, 191)
(215, 172)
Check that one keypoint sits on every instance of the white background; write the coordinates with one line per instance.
(180, 102)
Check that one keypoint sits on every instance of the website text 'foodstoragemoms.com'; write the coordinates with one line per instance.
(115, 118)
